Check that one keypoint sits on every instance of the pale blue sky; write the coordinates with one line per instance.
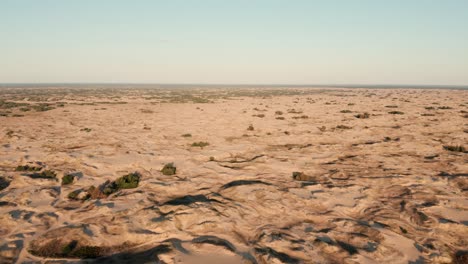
(250, 41)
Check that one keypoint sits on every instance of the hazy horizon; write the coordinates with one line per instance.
(335, 43)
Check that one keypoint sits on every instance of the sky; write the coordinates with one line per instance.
(417, 42)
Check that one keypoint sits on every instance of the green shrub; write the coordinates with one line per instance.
(200, 144)
(169, 169)
(346, 111)
(187, 135)
(28, 168)
(74, 194)
(444, 107)
(455, 148)
(396, 113)
(128, 181)
(67, 179)
(363, 115)
(343, 127)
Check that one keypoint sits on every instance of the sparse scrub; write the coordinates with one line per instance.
(301, 117)
(28, 168)
(187, 135)
(346, 111)
(200, 144)
(280, 118)
(169, 169)
(343, 127)
(250, 128)
(444, 107)
(278, 113)
(67, 179)
(128, 181)
(86, 129)
(455, 148)
(396, 113)
(362, 116)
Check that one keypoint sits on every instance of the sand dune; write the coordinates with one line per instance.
(377, 188)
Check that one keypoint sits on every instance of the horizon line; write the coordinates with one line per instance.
(345, 85)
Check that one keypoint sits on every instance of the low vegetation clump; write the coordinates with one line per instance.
(429, 108)
(301, 117)
(444, 107)
(396, 112)
(278, 113)
(259, 115)
(455, 148)
(300, 176)
(169, 169)
(47, 174)
(427, 114)
(67, 179)
(74, 194)
(28, 168)
(362, 116)
(200, 144)
(86, 129)
(42, 107)
(280, 118)
(346, 111)
(128, 181)
(343, 127)
(250, 128)
(187, 135)
(391, 106)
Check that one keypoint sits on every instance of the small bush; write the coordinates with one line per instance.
(74, 194)
(250, 128)
(86, 129)
(391, 106)
(343, 127)
(47, 174)
(362, 116)
(444, 107)
(278, 113)
(280, 118)
(396, 113)
(346, 111)
(187, 135)
(260, 115)
(128, 181)
(169, 169)
(429, 108)
(67, 179)
(455, 148)
(301, 117)
(200, 144)
(28, 168)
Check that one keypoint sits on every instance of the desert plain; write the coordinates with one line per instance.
(233, 175)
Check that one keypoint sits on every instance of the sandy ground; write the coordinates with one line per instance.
(380, 189)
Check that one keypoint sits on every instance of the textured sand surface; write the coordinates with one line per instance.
(380, 189)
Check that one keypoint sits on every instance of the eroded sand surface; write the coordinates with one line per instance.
(380, 189)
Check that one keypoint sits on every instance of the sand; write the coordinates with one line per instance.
(380, 189)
